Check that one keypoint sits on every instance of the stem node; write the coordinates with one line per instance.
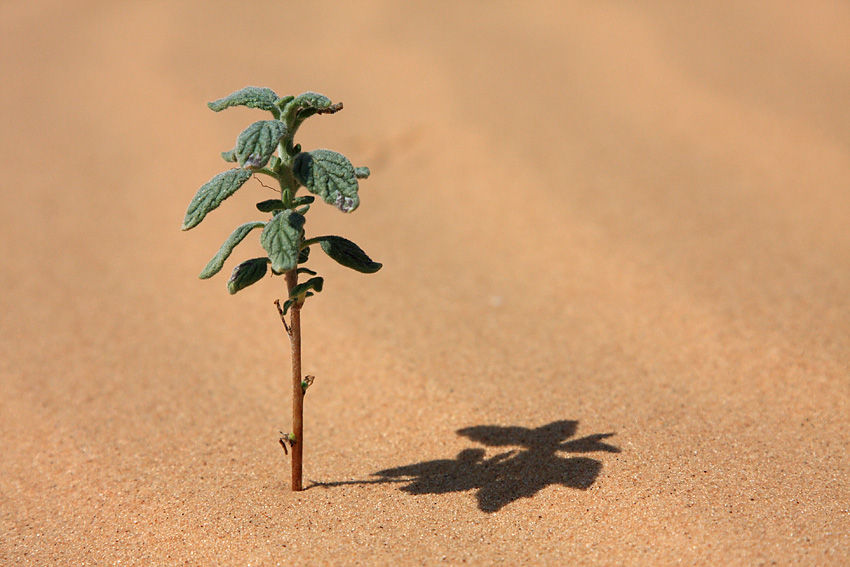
(283, 317)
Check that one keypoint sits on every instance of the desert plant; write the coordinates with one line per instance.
(267, 147)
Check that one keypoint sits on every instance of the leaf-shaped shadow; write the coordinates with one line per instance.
(532, 465)
(544, 439)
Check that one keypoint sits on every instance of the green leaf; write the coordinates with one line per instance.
(271, 205)
(253, 97)
(247, 273)
(229, 155)
(212, 193)
(287, 304)
(238, 235)
(303, 200)
(348, 254)
(307, 271)
(256, 144)
(330, 176)
(283, 101)
(305, 105)
(301, 289)
(361, 172)
(310, 100)
(281, 238)
(304, 255)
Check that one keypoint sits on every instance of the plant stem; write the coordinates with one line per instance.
(297, 390)
(288, 188)
(312, 241)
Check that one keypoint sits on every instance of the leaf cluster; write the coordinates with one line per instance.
(267, 147)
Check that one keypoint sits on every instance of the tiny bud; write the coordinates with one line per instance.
(307, 382)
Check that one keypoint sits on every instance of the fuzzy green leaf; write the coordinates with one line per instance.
(247, 273)
(281, 238)
(238, 235)
(253, 97)
(212, 193)
(301, 289)
(329, 175)
(362, 172)
(229, 155)
(270, 205)
(348, 254)
(283, 101)
(287, 304)
(305, 105)
(256, 144)
(303, 200)
(311, 100)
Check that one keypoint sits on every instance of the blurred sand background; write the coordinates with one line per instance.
(594, 218)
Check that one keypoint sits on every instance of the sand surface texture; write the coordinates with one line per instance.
(612, 325)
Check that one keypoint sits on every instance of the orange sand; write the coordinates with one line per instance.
(594, 218)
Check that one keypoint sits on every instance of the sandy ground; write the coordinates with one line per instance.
(612, 326)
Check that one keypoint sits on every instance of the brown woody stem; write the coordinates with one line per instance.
(294, 332)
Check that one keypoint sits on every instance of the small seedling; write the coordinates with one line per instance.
(267, 147)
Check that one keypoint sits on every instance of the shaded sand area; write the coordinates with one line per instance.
(612, 325)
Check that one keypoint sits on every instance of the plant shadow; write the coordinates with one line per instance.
(531, 465)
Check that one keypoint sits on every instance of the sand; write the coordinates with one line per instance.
(612, 325)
